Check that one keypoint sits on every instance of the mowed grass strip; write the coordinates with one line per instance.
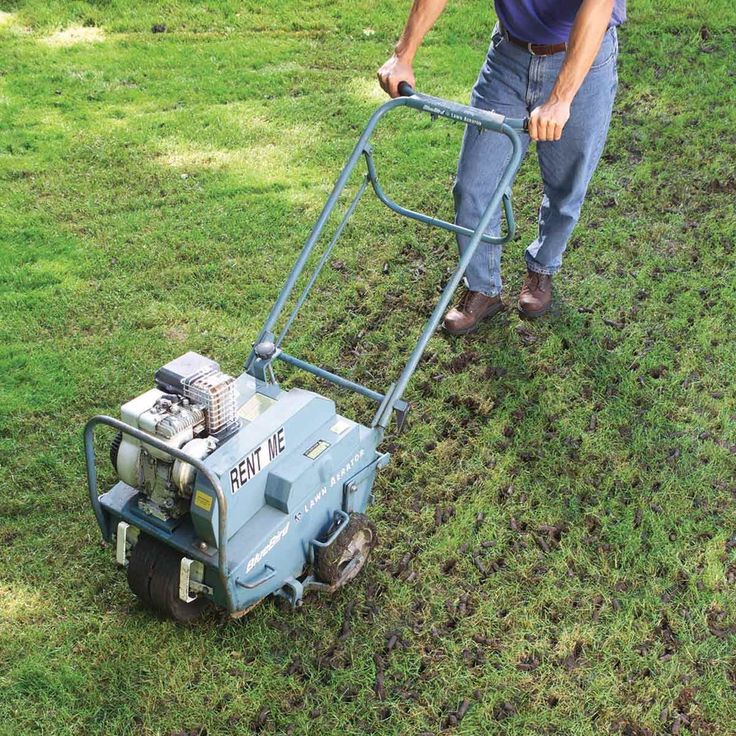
(557, 524)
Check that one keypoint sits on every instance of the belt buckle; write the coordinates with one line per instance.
(530, 49)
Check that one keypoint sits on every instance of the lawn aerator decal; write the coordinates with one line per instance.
(275, 539)
(255, 461)
(309, 504)
(453, 115)
(347, 468)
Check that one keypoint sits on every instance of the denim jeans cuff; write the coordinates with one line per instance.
(532, 265)
(486, 291)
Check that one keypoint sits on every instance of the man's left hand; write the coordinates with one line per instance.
(547, 121)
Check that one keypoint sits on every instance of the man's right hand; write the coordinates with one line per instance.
(393, 72)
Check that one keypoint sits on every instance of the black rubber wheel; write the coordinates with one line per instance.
(114, 449)
(346, 556)
(140, 567)
(153, 575)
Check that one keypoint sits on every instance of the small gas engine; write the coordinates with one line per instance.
(192, 409)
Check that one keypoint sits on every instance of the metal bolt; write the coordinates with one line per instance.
(202, 546)
(353, 487)
(265, 350)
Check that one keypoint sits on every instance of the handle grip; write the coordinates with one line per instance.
(406, 90)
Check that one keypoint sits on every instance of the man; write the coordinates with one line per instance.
(551, 60)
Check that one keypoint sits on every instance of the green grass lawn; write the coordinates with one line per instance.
(558, 535)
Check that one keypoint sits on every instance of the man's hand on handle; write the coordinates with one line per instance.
(399, 68)
(393, 72)
(547, 121)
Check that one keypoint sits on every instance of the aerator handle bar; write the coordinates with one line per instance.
(268, 348)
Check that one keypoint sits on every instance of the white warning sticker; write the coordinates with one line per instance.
(341, 426)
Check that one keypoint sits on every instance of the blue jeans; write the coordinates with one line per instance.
(513, 82)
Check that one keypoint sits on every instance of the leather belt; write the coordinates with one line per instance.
(535, 49)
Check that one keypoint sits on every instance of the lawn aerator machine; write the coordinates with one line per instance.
(232, 489)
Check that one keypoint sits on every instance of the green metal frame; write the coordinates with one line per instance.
(259, 361)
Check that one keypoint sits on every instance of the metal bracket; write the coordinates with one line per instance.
(191, 575)
(401, 408)
(341, 526)
(121, 543)
(265, 353)
(292, 591)
(352, 484)
(184, 574)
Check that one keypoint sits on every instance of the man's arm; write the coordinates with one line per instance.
(399, 68)
(547, 121)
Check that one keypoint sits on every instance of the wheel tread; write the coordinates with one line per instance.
(327, 559)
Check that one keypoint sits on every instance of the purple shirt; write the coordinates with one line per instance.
(546, 21)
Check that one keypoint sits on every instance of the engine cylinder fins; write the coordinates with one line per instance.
(153, 575)
(178, 419)
(346, 556)
(114, 449)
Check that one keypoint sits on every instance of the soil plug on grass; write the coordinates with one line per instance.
(401, 570)
(474, 657)
(460, 362)
(393, 641)
(456, 716)
(295, 667)
(613, 323)
(482, 569)
(378, 686)
(345, 631)
(717, 625)
(260, 721)
(528, 663)
(503, 711)
(527, 338)
(448, 566)
(573, 659)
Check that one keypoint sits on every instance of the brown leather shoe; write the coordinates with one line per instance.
(535, 297)
(471, 309)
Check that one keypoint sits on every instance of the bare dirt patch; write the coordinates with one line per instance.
(74, 35)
